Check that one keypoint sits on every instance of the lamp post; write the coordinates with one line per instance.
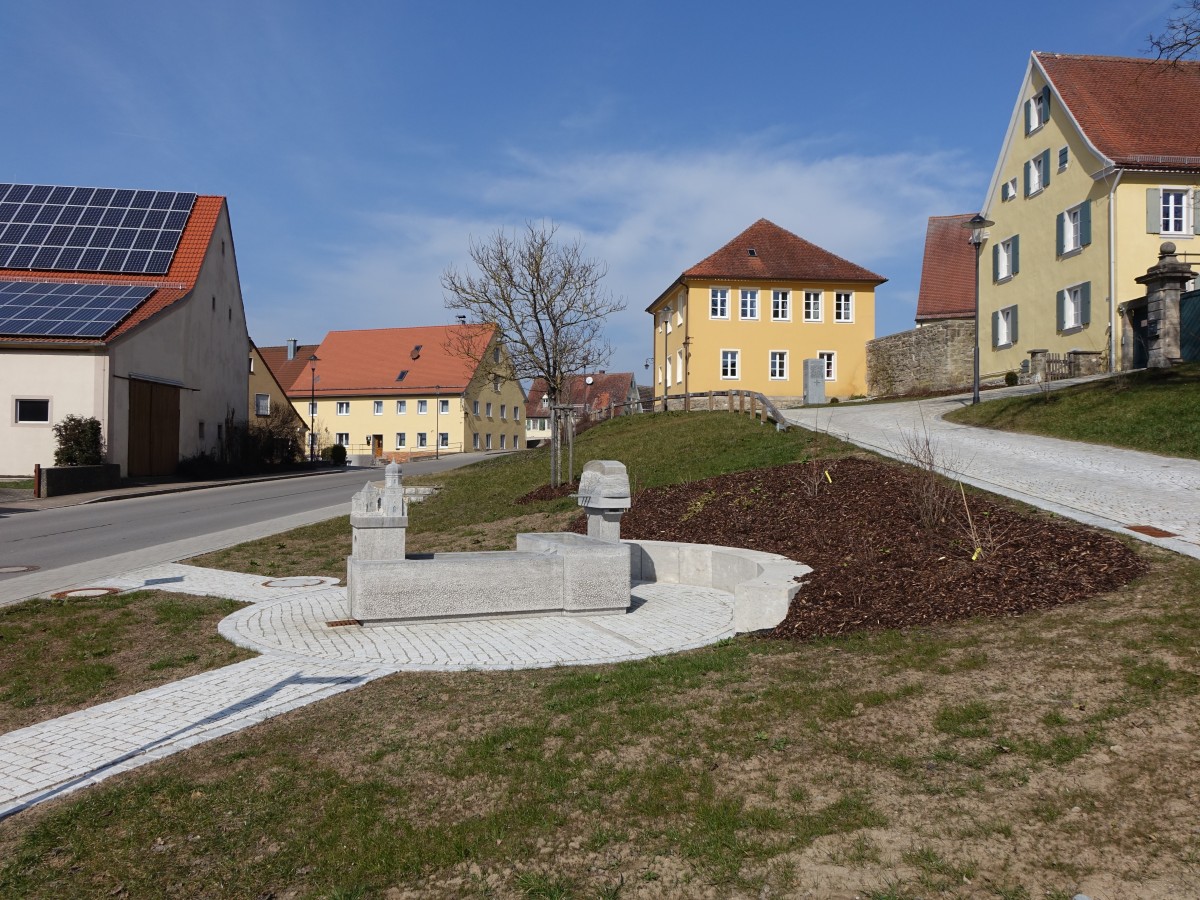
(977, 223)
(312, 411)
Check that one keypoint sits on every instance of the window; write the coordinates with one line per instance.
(475, 407)
(496, 354)
(312, 407)
(669, 370)
(35, 412)
(343, 438)
(422, 407)
(779, 365)
(680, 306)
(749, 304)
(718, 303)
(488, 410)
(343, 407)
(1004, 327)
(496, 379)
(443, 439)
(781, 306)
(422, 439)
(658, 371)
(830, 360)
(1037, 110)
(545, 401)
(475, 441)
(812, 306)
(1008, 190)
(1064, 157)
(1037, 173)
(666, 317)
(1074, 307)
(401, 440)
(251, 365)
(487, 442)
(1073, 229)
(378, 407)
(679, 366)
(516, 413)
(729, 363)
(1006, 259)
(843, 306)
(504, 442)
(443, 406)
(1174, 211)
(503, 410)
(262, 404)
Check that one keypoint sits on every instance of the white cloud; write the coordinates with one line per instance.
(650, 216)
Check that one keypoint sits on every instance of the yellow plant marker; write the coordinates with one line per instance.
(976, 554)
(827, 478)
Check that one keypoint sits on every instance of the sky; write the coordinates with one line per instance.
(362, 145)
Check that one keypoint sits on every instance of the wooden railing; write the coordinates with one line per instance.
(758, 406)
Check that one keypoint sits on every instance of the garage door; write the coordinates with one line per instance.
(153, 428)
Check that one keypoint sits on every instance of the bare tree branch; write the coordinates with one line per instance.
(545, 301)
(1181, 37)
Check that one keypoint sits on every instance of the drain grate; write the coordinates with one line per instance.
(17, 570)
(1151, 531)
(338, 623)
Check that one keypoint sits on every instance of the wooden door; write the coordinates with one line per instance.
(153, 428)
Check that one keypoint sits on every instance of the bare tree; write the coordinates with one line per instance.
(1181, 37)
(545, 301)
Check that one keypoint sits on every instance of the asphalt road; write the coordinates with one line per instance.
(75, 544)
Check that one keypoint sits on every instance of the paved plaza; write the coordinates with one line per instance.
(1102, 486)
(305, 659)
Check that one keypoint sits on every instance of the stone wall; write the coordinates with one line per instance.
(936, 357)
(59, 480)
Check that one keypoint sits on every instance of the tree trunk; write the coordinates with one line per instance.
(570, 447)
(555, 447)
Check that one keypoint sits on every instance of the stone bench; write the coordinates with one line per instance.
(762, 584)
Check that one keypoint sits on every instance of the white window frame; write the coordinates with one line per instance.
(504, 442)
(840, 314)
(1037, 112)
(401, 440)
(487, 441)
(1037, 178)
(475, 407)
(475, 441)
(487, 409)
(1004, 327)
(731, 364)
(422, 407)
(814, 306)
(781, 300)
(16, 408)
(422, 438)
(670, 370)
(777, 365)
(377, 407)
(1072, 307)
(503, 411)
(312, 407)
(444, 407)
(443, 439)
(1185, 211)
(718, 303)
(748, 301)
(1008, 190)
(343, 407)
(343, 438)
(1004, 261)
(679, 366)
(262, 404)
(516, 413)
(1072, 230)
(401, 407)
(830, 358)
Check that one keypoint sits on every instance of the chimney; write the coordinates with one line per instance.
(291, 348)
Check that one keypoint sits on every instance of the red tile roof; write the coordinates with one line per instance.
(366, 363)
(1140, 113)
(176, 284)
(285, 370)
(948, 271)
(606, 387)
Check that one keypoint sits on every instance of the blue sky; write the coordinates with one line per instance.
(361, 145)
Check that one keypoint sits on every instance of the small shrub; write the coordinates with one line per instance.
(834, 400)
(80, 441)
(337, 455)
(1011, 379)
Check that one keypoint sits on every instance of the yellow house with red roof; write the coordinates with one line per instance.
(1100, 165)
(405, 392)
(746, 317)
(123, 305)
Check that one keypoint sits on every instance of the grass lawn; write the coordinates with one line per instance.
(1156, 410)
(1029, 757)
(21, 484)
(476, 508)
(57, 656)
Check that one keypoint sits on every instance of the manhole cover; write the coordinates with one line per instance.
(85, 592)
(299, 582)
(1151, 531)
(339, 623)
(17, 570)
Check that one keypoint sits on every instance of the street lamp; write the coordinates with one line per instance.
(977, 223)
(312, 411)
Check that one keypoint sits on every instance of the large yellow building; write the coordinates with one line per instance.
(409, 392)
(1100, 165)
(747, 316)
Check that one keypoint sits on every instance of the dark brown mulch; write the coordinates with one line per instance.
(545, 492)
(874, 565)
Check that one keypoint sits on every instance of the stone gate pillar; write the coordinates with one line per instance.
(1164, 283)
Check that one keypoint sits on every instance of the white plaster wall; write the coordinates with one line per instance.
(199, 342)
(74, 381)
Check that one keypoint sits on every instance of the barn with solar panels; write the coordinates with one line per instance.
(124, 305)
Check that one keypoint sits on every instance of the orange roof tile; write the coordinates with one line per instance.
(176, 284)
(367, 362)
(606, 387)
(948, 271)
(285, 370)
(1140, 113)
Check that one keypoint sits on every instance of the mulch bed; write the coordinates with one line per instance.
(874, 565)
(545, 492)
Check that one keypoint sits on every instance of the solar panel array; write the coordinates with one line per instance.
(53, 309)
(78, 229)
